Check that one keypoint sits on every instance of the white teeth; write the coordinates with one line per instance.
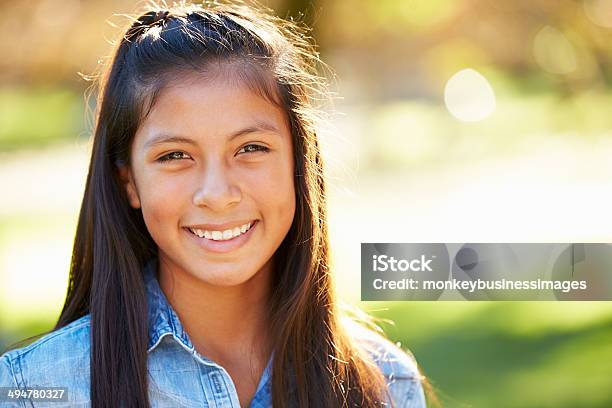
(221, 235)
(197, 232)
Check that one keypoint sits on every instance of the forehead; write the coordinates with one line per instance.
(201, 105)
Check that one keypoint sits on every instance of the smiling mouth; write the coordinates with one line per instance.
(226, 235)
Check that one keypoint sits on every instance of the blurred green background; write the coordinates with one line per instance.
(459, 121)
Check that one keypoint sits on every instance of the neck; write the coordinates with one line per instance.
(225, 324)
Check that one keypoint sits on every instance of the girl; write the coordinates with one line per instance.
(200, 270)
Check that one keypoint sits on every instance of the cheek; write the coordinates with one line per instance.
(272, 191)
(162, 200)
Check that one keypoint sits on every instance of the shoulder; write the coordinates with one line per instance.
(399, 367)
(58, 359)
(390, 358)
(64, 343)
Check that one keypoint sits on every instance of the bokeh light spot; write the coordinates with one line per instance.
(468, 96)
(553, 51)
(599, 12)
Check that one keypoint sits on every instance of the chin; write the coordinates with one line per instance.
(226, 280)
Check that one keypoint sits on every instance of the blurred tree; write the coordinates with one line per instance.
(51, 40)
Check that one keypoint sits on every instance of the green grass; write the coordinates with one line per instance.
(509, 354)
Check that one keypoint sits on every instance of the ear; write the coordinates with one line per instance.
(127, 180)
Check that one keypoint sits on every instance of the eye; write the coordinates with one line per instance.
(172, 156)
(252, 148)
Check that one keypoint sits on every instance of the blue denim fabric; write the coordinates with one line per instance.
(178, 375)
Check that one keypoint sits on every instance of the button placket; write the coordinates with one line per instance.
(221, 387)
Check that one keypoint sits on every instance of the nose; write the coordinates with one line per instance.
(216, 189)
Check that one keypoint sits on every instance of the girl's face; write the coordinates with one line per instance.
(212, 170)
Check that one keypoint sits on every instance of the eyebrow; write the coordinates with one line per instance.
(166, 138)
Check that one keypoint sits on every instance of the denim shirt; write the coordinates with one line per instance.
(178, 375)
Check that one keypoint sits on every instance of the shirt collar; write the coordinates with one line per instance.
(162, 319)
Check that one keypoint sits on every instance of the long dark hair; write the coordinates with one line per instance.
(112, 243)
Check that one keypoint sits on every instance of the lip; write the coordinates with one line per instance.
(222, 246)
